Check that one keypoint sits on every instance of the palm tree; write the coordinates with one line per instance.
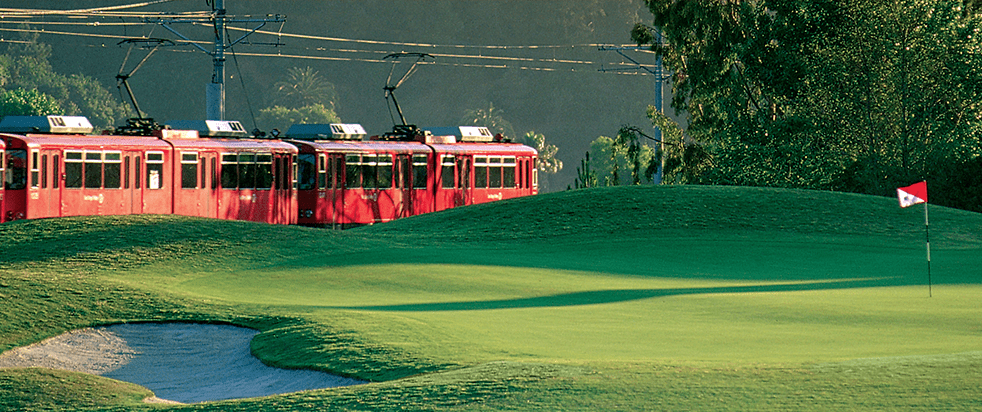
(305, 87)
(490, 118)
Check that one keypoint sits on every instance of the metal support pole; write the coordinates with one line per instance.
(927, 238)
(215, 92)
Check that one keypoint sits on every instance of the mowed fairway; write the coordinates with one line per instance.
(640, 298)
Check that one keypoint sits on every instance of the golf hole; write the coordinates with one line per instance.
(181, 362)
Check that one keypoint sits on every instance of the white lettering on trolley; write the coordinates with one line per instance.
(370, 196)
(95, 198)
(492, 196)
(249, 198)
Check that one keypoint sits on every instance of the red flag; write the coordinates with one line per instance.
(913, 194)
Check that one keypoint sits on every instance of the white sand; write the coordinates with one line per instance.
(180, 362)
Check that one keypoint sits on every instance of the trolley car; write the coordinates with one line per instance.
(55, 168)
(346, 179)
(319, 175)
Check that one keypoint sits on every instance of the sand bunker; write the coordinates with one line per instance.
(181, 362)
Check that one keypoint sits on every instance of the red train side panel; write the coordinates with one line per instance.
(71, 175)
(3, 178)
(343, 183)
(172, 172)
(237, 179)
(474, 173)
(62, 171)
(355, 182)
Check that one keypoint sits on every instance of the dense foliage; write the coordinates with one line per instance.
(843, 95)
(302, 97)
(30, 86)
(622, 160)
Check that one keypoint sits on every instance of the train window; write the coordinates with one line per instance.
(137, 172)
(204, 174)
(44, 171)
(126, 173)
(93, 170)
(276, 172)
(337, 172)
(294, 175)
(535, 174)
(463, 173)
(419, 171)
(73, 169)
(330, 170)
(322, 173)
(112, 161)
(508, 172)
(35, 169)
(283, 172)
(481, 172)
(494, 172)
(527, 174)
(155, 170)
(214, 173)
(385, 171)
(3, 167)
(189, 170)
(247, 170)
(230, 171)
(352, 168)
(306, 170)
(264, 171)
(55, 177)
(369, 178)
(446, 171)
(405, 169)
(16, 169)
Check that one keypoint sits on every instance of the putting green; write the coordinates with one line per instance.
(753, 292)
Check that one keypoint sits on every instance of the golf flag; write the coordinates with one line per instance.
(913, 194)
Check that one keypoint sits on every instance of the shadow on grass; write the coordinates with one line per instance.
(596, 297)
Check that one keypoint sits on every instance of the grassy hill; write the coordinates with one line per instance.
(631, 298)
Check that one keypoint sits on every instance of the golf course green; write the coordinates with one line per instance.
(625, 298)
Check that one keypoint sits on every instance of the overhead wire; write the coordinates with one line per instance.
(515, 62)
(108, 11)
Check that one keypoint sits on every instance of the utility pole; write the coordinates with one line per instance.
(659, 72)
(215, 90)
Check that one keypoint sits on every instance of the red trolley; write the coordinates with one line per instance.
(56, 169)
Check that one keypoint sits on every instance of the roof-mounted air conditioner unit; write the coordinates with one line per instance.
(333, 131)
(46, 124)
(463, 133)
(211, 128)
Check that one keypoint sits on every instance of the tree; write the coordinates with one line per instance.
(279, 117)
(546, 162)
(304, 87)
(23, 102)
(617, 162)
(25, 66)
(490, 118)
(302, 98)
(585, 176)
(843, 95)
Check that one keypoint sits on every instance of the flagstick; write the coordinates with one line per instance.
(927, 238)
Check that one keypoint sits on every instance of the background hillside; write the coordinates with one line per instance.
(570, 103)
